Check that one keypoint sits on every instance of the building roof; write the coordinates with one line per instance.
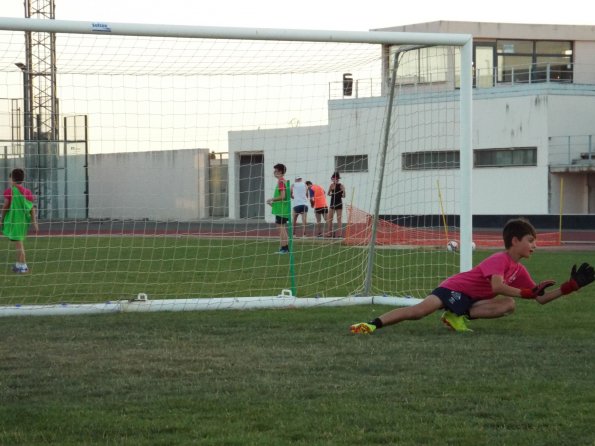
(488, 30)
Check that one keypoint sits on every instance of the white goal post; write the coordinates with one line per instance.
(154, 177)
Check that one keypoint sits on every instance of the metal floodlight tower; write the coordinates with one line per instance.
(41, 116)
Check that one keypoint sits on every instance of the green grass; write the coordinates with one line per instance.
(281, 377)
(99, 269)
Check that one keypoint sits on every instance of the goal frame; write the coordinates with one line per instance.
(464, 41)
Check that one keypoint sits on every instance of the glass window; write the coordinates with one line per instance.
(554, 69)
(534, 61)
(351, 163)
(514, 68)
(430, 160)
(515, 156)
(408, 68)
(514, 47)
(422, 65)
(553, 47)
(433, 64)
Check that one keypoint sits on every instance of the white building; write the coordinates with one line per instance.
(533, 125)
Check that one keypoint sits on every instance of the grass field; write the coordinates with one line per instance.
(99, 269)
(280, 377)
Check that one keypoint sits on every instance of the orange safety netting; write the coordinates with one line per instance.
(359, 232)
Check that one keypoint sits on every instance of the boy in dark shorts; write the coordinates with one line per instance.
(281, 207)
(488, 290)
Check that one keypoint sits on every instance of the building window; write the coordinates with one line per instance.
(514, 156)
(351, 163)
(430, 160)
(526, 61)
(421, 65)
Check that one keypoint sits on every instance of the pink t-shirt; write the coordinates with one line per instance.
(26, 193)
(476, 283)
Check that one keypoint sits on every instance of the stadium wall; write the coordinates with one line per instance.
(158, 185)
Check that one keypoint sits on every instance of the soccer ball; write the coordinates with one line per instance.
(473, 246)
(452, 246)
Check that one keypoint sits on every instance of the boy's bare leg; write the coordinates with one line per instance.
(294, 217)
(283, 235)
(304, 223)
(339, 222)
(20, 248)
(492, 308)
(329, 223)
(318, 224)
(426, 307)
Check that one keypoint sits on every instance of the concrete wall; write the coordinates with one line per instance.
(164, 185)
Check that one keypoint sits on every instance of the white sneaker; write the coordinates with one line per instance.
(20, 269)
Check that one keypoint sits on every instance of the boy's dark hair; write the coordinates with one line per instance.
(336, 175)
(17, 175)
(517, 227)
(308, 183)
(280, 167)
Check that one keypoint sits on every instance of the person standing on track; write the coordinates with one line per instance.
(337, 192)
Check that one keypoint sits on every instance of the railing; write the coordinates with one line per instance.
(557, 73)
(572, 150)
(357, 88)
(527, 74)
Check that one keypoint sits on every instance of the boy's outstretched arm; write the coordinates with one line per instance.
(538, 292)
(579, 278)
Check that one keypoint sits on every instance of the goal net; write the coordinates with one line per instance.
(150, 152)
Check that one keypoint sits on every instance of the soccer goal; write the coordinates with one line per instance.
(150, 152)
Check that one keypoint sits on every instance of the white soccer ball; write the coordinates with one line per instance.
(452, 246)
(473, 246)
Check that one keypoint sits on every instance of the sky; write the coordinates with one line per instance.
(312, 14)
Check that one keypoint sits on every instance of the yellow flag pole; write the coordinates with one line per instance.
(561, 209)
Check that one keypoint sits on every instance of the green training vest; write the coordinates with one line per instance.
(282, 208)
(18, 216)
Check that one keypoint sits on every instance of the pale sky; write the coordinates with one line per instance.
(312, 14)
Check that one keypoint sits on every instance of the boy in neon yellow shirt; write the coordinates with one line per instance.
(281, 207)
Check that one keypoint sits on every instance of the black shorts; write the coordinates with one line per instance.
(300, 209)
(281, 220)
(322, 211)
(455, 301)
(336, 206)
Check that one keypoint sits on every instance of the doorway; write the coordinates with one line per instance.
(484, 56)
(251, 184)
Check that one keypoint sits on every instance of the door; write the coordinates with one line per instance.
(252, 185)
(484, 56)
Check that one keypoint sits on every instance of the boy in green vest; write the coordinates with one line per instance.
(18, 212)
(281, 207)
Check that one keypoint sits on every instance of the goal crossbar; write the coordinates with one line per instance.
(212, 32)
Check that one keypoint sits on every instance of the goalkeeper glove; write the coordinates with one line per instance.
(579, 278)
(538, 290)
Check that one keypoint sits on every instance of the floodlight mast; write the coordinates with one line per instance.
(40, 120)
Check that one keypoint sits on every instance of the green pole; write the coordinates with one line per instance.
(290, 240)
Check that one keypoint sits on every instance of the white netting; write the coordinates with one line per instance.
(157, 179)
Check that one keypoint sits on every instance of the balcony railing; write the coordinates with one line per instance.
(500, 76)
(575, 150)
